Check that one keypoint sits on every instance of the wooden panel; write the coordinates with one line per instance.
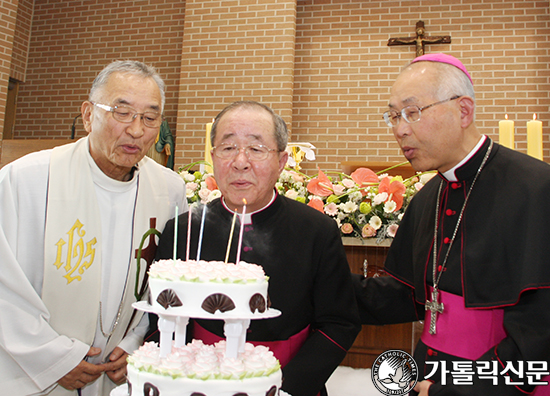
(15, 148)
(374, 340)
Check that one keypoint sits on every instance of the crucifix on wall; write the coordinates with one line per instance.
(419, 40)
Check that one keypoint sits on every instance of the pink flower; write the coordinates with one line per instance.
(339, 189)
(364, 177)
(392, 230)
(347, 228)
(368, 231)
(395, 190)
(331, 209)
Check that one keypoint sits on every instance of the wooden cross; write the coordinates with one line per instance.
(434, 307)
(419, 40)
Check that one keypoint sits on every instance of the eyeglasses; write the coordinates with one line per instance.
(411, 113)
(151, 119)
(254, 152)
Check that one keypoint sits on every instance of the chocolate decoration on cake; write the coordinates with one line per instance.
(217, 301)
(272, 391)
(241, 394)
(129, 388)
(257, 302)
(197, 394)
(168, 298)
(268, 301)
(150, 389)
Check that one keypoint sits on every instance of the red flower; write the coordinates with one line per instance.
(395, 190)
(320, 185)
(364, 177)
(316, 203)
(211, 183)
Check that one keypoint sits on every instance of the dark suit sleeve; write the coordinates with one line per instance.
(335, 325)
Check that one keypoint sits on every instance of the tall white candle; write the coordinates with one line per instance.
(239, 246)
(230, 237)
(201, 232)
(506, 132)
(534, 138)
(176, 233)
(189, 219)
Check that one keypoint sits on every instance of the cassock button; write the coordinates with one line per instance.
(247, 249)
(455, 185)
(450, 212)
(430, 352)
(446, 240)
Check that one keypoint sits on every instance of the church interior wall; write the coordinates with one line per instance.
(332, 91)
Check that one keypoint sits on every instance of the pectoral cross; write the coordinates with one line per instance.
(434, 307)
(420, 40)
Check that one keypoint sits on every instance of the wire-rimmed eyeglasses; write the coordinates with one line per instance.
(151, 119)
(410, 113)
(254, 152)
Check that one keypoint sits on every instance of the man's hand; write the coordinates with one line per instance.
(116, 368)
(82, 374)
(422, 387)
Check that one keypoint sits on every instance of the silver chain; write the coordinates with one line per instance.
(107, 335)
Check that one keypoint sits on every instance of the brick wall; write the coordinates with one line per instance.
(71, 41)
(21, 39)
(344, 68)
(323, 64)
(233, 50)
(8, 16)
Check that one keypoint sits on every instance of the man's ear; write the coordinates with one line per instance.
(467, 110)
(283, 158)
(87, 115)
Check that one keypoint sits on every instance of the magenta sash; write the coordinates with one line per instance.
(283, 350)
(463, 332)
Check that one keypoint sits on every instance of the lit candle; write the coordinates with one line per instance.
(201, 231)
(176, 233)
(230, 237)
(208, 148)
(534, 138)
(506, 132)
(239, 246)
(189, 219)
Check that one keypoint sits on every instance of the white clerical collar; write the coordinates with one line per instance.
(450, 174)
(248, 216)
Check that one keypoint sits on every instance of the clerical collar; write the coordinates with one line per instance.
(450, 175)
(248, 216)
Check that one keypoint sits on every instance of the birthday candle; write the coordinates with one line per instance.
(201, 231)
(230, 237)
(176, 233)
(239, 246)
(189, 218)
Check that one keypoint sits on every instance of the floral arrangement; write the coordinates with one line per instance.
(364, 204)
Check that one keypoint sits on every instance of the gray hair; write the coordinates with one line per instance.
(280, 129)
(128, 67)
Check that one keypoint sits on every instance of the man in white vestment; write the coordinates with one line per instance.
(71, 222)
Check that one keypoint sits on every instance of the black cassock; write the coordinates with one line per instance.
(500, 260)
(301, 251)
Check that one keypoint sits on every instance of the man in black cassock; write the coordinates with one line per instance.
(299, 248)
(471, 255)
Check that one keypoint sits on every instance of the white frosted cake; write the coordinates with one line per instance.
(198, 369)
(234, 293)
(208, 288)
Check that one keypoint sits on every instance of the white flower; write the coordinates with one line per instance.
(392, 230)
(390, 206)
(203, 194)
(375, 222)
(348, 183)
(426, 177)
(188, 177)
(191, 186)
(292, 194)
(380, 198)
(356, 196)
(213, 195)
(348, 207)
(400, 216)
(189, 193)
(331, 209)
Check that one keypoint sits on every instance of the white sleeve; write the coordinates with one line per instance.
(33, 356)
